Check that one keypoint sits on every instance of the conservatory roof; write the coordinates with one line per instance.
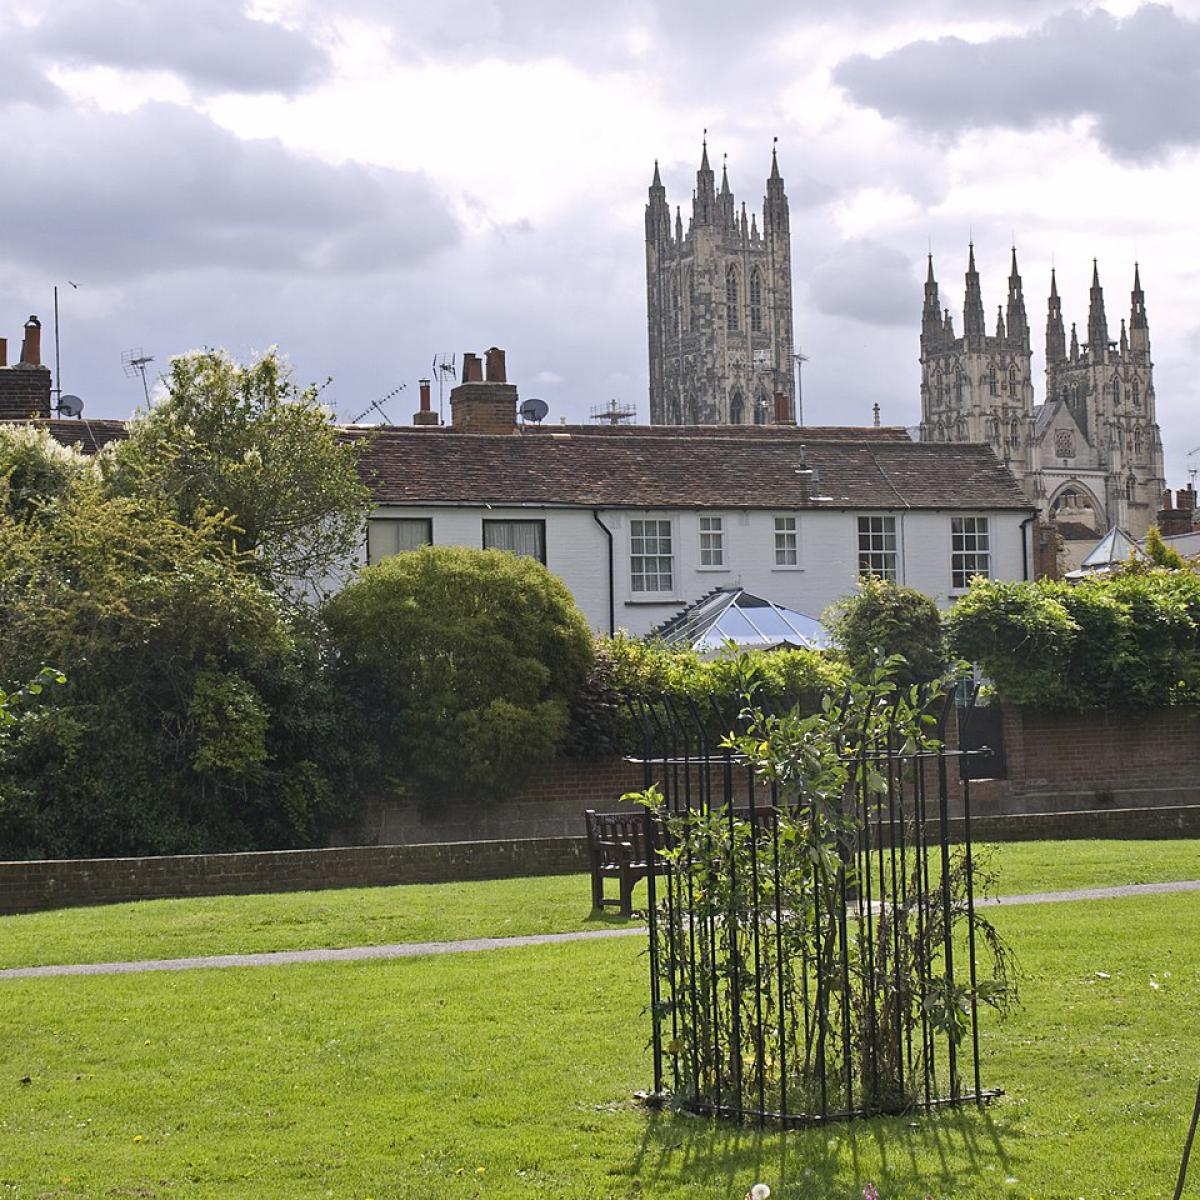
(1114, 548)
(750, 622)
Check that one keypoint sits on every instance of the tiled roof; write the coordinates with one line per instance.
(89, 436)
(787, 433)
(408, 466)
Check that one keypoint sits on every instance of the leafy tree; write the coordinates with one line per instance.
(1159, 553)
(468, 661)
(247, 442)
(34, 469)
(185, 724)
(883, 619)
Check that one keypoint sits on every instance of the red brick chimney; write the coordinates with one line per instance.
(25, 386)
(479, 405)
(425, 414)
(783, 412)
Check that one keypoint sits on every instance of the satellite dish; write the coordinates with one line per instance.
(70, 406)
(534, 410)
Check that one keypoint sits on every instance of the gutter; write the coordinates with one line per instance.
(1025, 546)
(612, 594)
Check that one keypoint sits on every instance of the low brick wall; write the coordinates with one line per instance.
(63, 883)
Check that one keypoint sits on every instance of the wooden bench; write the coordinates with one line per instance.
(617, 849)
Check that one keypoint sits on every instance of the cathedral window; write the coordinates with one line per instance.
(1116, 391)
(958, 385)
(737, 410)
(877, 547)
(993, 387)
(939, 388)
(1064, 443)
(1135, 394)
(731, 298)
(1131, 489)
(1012, 381)
(689, 293)
(1137, 441)
(755, 301)
(970, 550)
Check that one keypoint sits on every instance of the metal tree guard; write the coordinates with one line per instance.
(788, 991)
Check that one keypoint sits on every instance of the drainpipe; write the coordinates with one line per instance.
(612, 595)
(1025, 547)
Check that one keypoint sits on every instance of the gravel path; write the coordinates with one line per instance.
(422, 949)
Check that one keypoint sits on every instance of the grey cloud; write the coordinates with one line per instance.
(867, 281)
(210, 43)
(1136, 77)
(22, 81)
(164, 189)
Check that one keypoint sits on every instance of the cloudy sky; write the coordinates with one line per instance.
(369, 183)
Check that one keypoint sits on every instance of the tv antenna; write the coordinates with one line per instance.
(443, 365)
(57, 357)
(801, 358)
(377, 406)
(134, 361)
(534, 410)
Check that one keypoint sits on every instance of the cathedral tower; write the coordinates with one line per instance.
(978, 387)
(1099, 442)
(719, 306)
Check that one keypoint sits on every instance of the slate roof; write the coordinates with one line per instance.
(783, 433)
(88, 435)
(560, 467)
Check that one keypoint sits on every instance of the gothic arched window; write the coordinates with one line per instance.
(939, 387)
(1116, 391)
(1135, 394)
(1012, 381)
(676, 312)
(1137, 441)
(1014, 431)
(731, 298)
(737, 409)
(992, 386)
(958, 385)
(1131, 488)
(755, 301)
(689, 295)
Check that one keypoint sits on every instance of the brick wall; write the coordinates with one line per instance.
(28, 886)
(24, 392)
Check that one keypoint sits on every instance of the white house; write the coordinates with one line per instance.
(640, 521)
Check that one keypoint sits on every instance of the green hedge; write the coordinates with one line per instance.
(1125, 641)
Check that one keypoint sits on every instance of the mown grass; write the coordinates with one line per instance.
(499, 908)
(509, 1073)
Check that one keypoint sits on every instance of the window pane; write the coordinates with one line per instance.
(786, 543)
(712, 541)
(392, 535)
(877, 547)
(650, 556)
(969, 550)
(527, 538)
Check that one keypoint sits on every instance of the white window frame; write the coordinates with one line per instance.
(711, 540)
(968, 557)
(637, 529)
(780, 523)
(876, 557)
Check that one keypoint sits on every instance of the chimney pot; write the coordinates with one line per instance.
(3, 352)
(472, 371)
(31, 347)
(782, 414)
(1166, 500)
(495, 365)
(425, 401)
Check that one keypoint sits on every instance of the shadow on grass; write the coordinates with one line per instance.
(610, 916)
(920, 1153)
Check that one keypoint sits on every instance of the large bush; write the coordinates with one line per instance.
(467, 662)
(882, 619)
(187, 722)
(1126, 641)
(627, 668)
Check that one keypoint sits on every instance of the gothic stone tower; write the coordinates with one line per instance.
(1098, 444)
(719, 306)
(978, 387)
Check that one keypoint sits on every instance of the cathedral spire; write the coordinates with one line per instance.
(1074, 344)
(1018, 322)
(775, 208)
(973, 325)
(1139, 327)
(705, 201)
(658, 213)
(1097, 324)
(1056, 338)
(656, 182)
(1000, 321)
(931, 316)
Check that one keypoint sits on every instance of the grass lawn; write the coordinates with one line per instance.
(418, 912)
(507, 1074)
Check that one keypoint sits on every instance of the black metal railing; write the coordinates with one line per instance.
(813, 956)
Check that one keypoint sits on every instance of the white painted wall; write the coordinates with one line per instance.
(577, 551)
